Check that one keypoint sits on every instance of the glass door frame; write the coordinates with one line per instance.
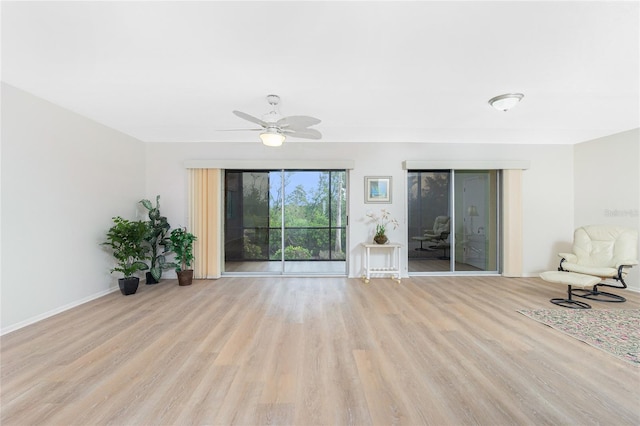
(453, 225)
(282, 270)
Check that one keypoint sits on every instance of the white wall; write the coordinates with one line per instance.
(607, 184)
(63, 178)
(547, 185)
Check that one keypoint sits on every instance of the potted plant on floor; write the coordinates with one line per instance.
(157, 241)
(126, 239)
(181, 243)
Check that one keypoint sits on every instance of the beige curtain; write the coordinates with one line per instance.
(205, 221)
(512, 221)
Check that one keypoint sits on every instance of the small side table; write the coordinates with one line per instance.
(392, 269)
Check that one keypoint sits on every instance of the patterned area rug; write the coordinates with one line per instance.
(616, 331)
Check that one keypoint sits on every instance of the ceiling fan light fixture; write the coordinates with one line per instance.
(506, 102)
(272, 138)
(275, 126)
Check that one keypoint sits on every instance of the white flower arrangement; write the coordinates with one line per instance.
(382, 221)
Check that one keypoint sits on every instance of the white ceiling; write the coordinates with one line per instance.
(371, 71)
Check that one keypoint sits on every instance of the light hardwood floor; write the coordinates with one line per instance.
(432, 350)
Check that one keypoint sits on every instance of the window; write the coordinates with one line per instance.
(285, 221)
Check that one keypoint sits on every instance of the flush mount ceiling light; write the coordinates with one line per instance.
(272, 137)
(506, 102)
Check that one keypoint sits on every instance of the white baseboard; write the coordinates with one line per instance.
(56, 311)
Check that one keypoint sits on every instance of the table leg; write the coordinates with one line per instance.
(366, 265)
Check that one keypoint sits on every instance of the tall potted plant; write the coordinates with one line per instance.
(126, 240)
(157, 240)
(181, 243)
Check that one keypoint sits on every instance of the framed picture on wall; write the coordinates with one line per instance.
(377, 189)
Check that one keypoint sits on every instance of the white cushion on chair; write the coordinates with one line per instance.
(569, 257)
(602, 245)
(590, 270)
(569, 278)
(600, 249)
(440, 224)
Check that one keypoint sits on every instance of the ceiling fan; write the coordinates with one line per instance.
(275, 128)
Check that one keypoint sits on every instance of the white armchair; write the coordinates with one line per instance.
(602, 251)
(438, 235)
(441, 229)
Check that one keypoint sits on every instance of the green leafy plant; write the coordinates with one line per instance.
(126, 239)
(251, 251)
(157, 239)
(181, 243)
(293, 253)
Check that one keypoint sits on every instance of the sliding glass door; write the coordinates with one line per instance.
(476, 219)
(453, 222)
(314, 222)
(247, 230)
(285, 222)
(429, 218)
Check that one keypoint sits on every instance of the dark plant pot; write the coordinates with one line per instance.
(185, 277)
(380, 239)
(150, 279)
(128, 285)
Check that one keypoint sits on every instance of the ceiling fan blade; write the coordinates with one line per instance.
(304, 134)
(239, 130)
(250, 118)
(298, 122)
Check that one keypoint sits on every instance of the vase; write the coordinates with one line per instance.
(380, 239)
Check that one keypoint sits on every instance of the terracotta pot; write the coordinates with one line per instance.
(380, 239)
(185, 277)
